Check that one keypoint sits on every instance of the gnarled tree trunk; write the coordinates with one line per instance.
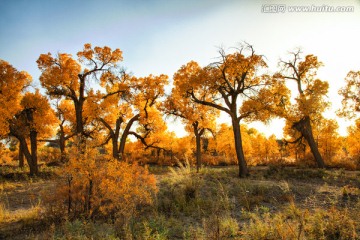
(198, 133)
(125, 135)
(31, 158)
(243, 169)
(33, 145)
(304, 126)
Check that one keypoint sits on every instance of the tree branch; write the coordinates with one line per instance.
(208, 103)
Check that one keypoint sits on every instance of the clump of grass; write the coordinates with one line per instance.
(181, 171)
(155, 229)
(25, 215)
(4, 214)
(213, 227)
(179, 191)
(350, 192)
(295, 223)
(84, 230)
(331, 224)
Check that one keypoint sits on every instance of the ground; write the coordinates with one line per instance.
(212, 204)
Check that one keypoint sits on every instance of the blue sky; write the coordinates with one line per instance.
(159, 36)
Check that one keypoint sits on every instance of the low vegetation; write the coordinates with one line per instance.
(273, 203)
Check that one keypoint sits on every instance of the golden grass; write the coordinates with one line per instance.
(29, 214)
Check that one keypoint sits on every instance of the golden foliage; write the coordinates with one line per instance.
(59, 75)
(310, 97)
(351, 94)
(44, 116)
(12, 83)
(97, 186)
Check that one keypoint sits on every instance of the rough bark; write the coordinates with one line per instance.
(115, 152)
(125, 135)
(79, 103)
(113, 135)
(62, 141)
(33, 145)
(243, 169)
(304, 126)
(198, 145)
(29, 158)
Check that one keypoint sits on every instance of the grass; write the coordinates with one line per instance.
(273, 203)
(29, 214)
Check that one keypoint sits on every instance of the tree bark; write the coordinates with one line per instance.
(31, 157)
(243, 169)
(115, 152)
(125, 135)
(114, 136)
(198, 145)
(62, 144)
(79, 120)
(33, 144)
(79, 103)
(28, 156)
(304, 126)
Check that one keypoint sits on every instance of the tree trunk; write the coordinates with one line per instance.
(114, 136)
(243, 169)
(21, 157)
(62, 144)
(69, 178)
(115, 152)
(27, 154)
(88, 203)
(33, 144)
(198, 152)
(198, 146)
(78, 104)
(79, 120)
(304, 126)
(31, 157)
(80, 134)
(125, 135)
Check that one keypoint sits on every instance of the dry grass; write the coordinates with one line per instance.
(28, 214)
(273, 203)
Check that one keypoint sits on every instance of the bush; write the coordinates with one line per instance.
(101, 188)
(346, 163)
(331, 224)
(49, 155)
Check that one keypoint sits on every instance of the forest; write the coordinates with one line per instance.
(88, 154)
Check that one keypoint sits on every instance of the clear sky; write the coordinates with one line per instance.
(159, 36)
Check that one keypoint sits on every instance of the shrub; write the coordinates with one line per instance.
(331, 224)
(94, 188)
(49, 155)
(346, 163)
